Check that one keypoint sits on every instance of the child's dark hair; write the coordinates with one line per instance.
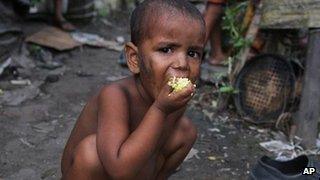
(149, 10)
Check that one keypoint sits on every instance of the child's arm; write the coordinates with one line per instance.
(123, 154)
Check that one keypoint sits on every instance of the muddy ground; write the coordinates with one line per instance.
(33, 134)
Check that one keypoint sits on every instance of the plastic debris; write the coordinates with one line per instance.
(214, 130)
(193, 153)
(17, 96)
(212, 158)
(43, 127)
(208, 114)
(95, 40)
(288, 150)
(21, 82)
(5, 64)
(214, 103)
(276, 146)
(114, 78)
(25, 142)
(120, 39)
(225, 169)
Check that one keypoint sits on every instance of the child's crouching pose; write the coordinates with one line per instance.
(135, 128)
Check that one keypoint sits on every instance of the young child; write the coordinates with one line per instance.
(135, 127)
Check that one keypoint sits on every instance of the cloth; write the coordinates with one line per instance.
(217, 1)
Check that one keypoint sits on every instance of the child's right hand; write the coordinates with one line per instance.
(169, 101)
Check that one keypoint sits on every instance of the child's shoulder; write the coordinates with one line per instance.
(117, 90)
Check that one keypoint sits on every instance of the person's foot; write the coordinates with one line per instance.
(218, 60)
(65, 25)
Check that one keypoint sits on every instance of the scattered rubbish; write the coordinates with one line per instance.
(21, 82)
(22, 61)
(43, 127)
(276, 146)
(115, 78)
(84, 74)
(214, 130)
(257, 129)
(51, 78)
(220, 136)
(193, 153)
(225, 169)
(25, 142)
(5, 64)
(17, 96)
(54, 38)
(44, 57)
(285, 150)
(120, 39)
(208, 114)
(212, 158)
(95, 40)
(48, 173)
(106, 22)
(214, 103)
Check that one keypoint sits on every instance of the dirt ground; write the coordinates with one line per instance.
(33, 134)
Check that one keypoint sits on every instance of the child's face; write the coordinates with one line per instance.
(174, 47)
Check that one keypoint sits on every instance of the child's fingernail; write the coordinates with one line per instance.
(194, 85)
(192, 94)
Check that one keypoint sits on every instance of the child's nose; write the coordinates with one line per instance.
(181, 62)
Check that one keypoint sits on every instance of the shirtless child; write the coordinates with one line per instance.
(135, 127)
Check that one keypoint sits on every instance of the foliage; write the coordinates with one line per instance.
(228, 89)
(35, 2)
(103, 12)
(232, 25)
(34, 49)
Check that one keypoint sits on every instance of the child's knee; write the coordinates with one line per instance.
(85, 154)
(189, 131)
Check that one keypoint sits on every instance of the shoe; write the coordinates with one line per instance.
(269, 169)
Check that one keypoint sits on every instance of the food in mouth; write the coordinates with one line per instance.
(178, 83)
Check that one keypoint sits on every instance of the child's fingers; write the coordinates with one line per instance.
(185, 92)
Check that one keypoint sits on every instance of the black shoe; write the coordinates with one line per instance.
(295, 169)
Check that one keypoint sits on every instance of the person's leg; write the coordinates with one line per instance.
(177, 148)
(59, 19)
(212, 18)
(85, 162)
(216, 53)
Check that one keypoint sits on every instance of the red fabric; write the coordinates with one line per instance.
(217, 1)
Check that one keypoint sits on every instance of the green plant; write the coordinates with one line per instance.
(35, 2)
(232, 25)
(34, 49)
(228, 89)
(102, 12)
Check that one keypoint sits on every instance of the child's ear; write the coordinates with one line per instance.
(132, 57)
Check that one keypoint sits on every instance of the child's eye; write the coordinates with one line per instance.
(166, 50)
(194, 54)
